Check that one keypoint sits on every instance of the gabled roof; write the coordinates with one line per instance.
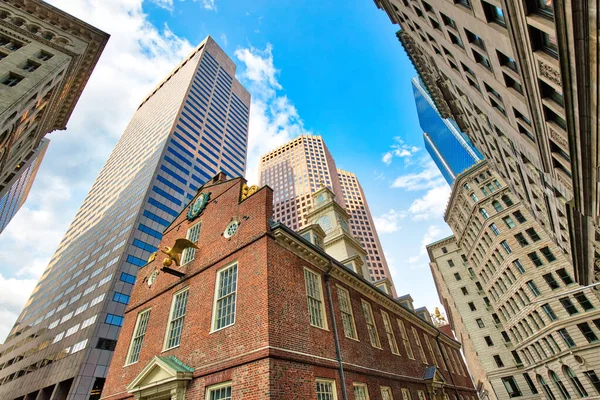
(160, 371)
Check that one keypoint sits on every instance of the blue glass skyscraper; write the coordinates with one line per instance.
(191, 126)
(450, 149)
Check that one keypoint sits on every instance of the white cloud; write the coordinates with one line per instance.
(389, 222)
(273, 118)
(209, 5)
(166, 4)
(432, 204)
(434, 232)
(13, 295)
(136, 57)
(399, 149)
(429, 177)
(224, 40)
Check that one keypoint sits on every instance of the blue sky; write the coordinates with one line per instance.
(332, 68)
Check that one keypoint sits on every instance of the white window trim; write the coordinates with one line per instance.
(137, 324)
(333, 388)
(407, 392)
(221, 385)
(362, 385)
(386, 318)
(351, 314)
(374, 324)
(405, 340)
(166, 339)
(213, 320)
(323, 311)
(388, 389)
(187, 236)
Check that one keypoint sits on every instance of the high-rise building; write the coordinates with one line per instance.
(450, 149)
(300, 167)
(261, 312)
(549, 322)
(363, 227)
(520, 79)
(46, 58)
(192, 125)
(14, 194)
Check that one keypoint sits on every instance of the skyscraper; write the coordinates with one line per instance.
(511, 270)
(192, 125)
(450, 149)
(520, 79)
(300, 167)
(14, 194)
(46, 58)
(363, 227)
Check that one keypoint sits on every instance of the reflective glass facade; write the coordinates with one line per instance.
(15, 192)
(450, 149)
(193, 125)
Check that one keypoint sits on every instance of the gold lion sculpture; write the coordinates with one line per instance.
(174, 253)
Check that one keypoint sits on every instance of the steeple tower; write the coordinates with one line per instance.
(338, 242)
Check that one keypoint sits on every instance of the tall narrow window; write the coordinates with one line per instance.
(575, 382)
(511, 386)
(373, 336)
(533, 287)
(193, 233)
(420, 346)
(560, 386)
(405, 340)
(594, 380)
(390, 333)
(361, 392)
(326, 389)
(347, 315)
(138, 336)
(428, 343)
(314, 297)
(406, 394)
(587, 332)
(221, 391)
(386, 393)
(566, 337)
(583, 301)
(568, 305)
(225, 297)
(549, 312)
(530, 383)
(176, 317)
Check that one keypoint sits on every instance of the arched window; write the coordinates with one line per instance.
(547, 389)
(559, 385)
(575, 382)
(484, 213)
(507, 200)
(497, 206)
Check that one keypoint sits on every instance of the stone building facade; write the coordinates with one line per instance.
(520, 79)
(302, 166)
(46, 58)
(548, 321)
(259, 311)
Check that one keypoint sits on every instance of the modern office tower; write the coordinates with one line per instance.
(192, 125)
(520, 79)
(363, 227)
(450, 149)
(46, 58)
(474, 322)
(263, 312)
(300, 167)
(549, 320)
(14, 194)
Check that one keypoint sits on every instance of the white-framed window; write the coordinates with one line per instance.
(386, 393)
(79, 346)
(225, 297)
(138, 337)
(421, 395)
(428, 343)
(390, 333)
(72, 330)
(314, 298)
(361, 392)
(176, 317)
(193, 233)
(406, 394)
(326, 389)
(405, 340)
(371, 327)
(88, 321)
(220, 391)
(419, 345)
(347, 315)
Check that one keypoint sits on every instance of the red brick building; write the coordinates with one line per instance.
(262, 312)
